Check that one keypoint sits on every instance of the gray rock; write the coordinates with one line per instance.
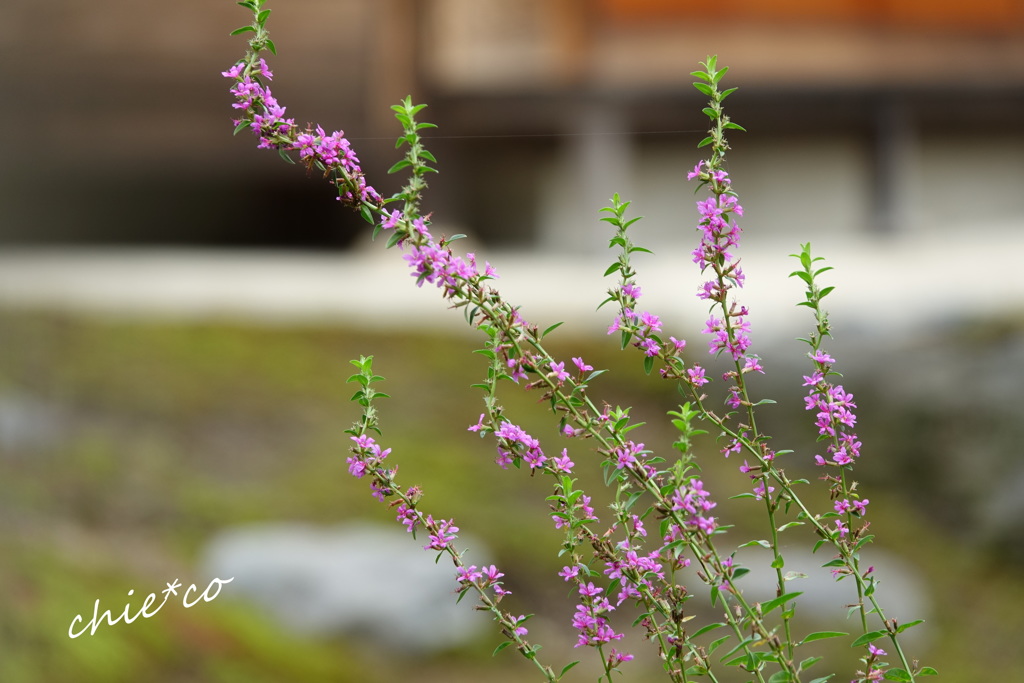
(371, 581)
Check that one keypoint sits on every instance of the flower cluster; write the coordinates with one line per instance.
(718, 232)
(590, 619)
(673, 495)
(633, 570)
(693, 499)
(266, 118)
(719, 235)
(437, 265)
(367, 455)
(835, 418)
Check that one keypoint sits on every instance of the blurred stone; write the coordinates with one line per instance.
(901, 587)
(369, 581)
(26, 424)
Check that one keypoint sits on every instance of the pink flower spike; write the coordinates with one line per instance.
(569, 572)
(583, 367)
(558, 370)
(823, 358)
(234, 72)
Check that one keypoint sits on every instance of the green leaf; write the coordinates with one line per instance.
(718, 76)
(718, 643)
(550, 329)
(778, 563)
(781, 677)
(808, 663)
(822, 635)
(244, 29)
(767, 607)
(567, 667)
(705, 142)
(648, 364)
(704, 88)
(501, 647)
(707, 629)
(788, 525)
(909, 624)
(868, 637)
(427, 155)
(927, 671)
(898, 675)
(271, 47)
(241, 126)
(261, 18)
(762, 543)
(734, 126)
(823, 679)
(399, 165)
(283, 153)
(612, 268)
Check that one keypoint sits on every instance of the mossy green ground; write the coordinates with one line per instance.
(159, 434)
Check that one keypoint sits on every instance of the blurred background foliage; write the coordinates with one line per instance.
(155, 435)
(126, 442)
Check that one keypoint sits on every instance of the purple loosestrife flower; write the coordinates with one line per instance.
(822, 357)
(558, 371)
(759, 492)
(516, 370)
(650, 323)
(615, 658)
(356, 466)
(443, 536)
(631, 290)
(468, 574)
(626, 455)
(583, 367)
(478, 426)
(650, 347)
(520, 630)
(266, 118)
(696, 376)
(235, 72)
(380, 491)
(409, 518)
(694, 499)
(562, 464)
(389, 221)
(492, 574)
(513, 440)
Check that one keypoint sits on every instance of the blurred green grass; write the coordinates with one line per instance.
(160, 434)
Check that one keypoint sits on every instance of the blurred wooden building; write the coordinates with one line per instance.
(867, 115)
